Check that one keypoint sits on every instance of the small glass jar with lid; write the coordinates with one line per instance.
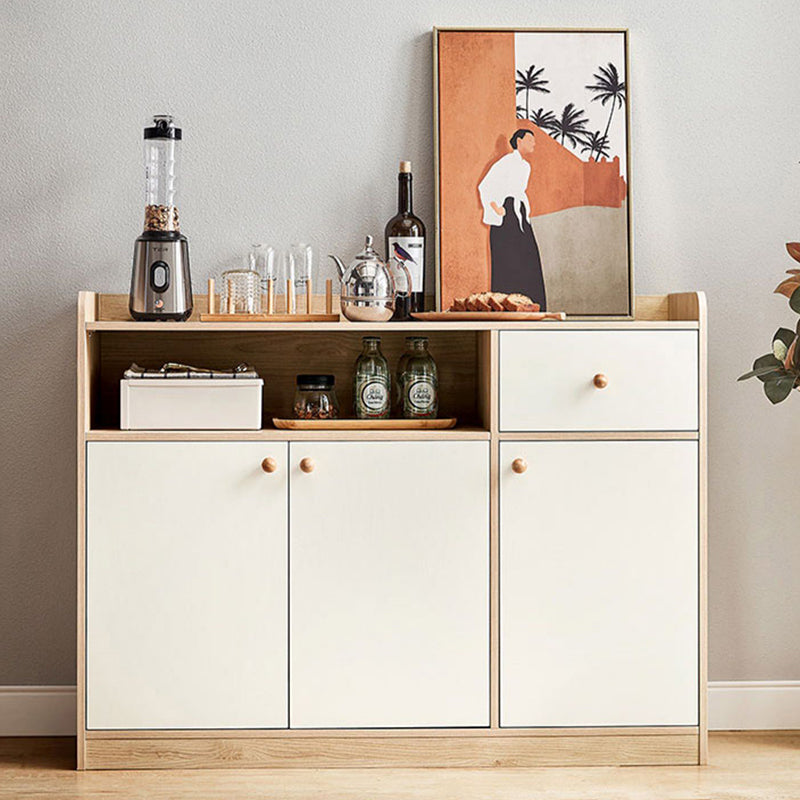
(315, 397)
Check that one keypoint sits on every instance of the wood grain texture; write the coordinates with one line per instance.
(492, 404)
(651, 307)
(168, 328)
(114, 307)
(324, 752)
(246, 319)
(567, 436)
(702, 315)
(648, 308)
(686, 306)
(88, 367)
(478, 316)
(390, 733)
(364, 424)
(753, 765)
(693, 306)
(466, 433)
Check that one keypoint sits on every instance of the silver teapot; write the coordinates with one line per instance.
(368, 287)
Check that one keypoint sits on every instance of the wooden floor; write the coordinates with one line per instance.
(756, 766)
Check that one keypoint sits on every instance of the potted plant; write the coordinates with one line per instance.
(779, 370)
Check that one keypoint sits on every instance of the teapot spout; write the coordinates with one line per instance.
(339, 265)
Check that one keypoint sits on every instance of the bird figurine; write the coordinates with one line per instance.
(402, 254)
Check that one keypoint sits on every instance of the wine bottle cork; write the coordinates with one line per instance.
(405, 166)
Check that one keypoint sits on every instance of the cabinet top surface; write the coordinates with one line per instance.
(103, 312)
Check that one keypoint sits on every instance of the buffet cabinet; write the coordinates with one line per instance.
(525, 589)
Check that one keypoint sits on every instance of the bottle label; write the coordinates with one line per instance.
(410, 251)
(420, 398)
(373, 398)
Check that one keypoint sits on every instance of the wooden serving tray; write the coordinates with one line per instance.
(269, 318)
(480, 316)
(364, 424)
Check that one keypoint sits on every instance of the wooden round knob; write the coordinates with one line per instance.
(307, 465)
(519, 465)
(600, 381)
(269, 464)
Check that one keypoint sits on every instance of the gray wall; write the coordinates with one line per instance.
(296, 114)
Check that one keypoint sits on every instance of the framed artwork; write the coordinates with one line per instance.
(532, 131)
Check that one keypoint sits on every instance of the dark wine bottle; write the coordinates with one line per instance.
(405, 242)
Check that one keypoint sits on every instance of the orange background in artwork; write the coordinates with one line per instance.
(477, 116)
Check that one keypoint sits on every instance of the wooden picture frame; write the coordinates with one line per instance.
(579, 203)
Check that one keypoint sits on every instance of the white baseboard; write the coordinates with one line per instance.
(753, 705)
(37, 710)
(732, 705)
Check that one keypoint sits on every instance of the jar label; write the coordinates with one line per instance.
(420, 397)
(374, 396)
(410, 250)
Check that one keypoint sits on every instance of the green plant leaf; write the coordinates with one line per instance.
(779, 350)
(778, 390)
(764, 365)
(794, 300)
(758, 373)
(769, 360)
(784, 335)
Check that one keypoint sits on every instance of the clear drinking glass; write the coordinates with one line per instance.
(286, 279)
(263, 260)
(304, 261)
(241, 292)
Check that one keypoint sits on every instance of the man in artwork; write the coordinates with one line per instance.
(516, 264)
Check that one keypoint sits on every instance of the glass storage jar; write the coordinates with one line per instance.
(241, 292)
(315, 397)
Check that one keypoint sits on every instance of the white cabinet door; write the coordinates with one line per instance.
(389, 577)
(598, 584)
(186, 585)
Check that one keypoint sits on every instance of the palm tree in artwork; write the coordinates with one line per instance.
(521, 112)
(531, 81)
(542, 119)
(595, 143)
(608, 88)
(570, 126)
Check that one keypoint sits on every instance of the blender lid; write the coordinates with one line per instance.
(163, 127)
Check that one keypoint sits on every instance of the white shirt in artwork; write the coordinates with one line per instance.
(507, 177)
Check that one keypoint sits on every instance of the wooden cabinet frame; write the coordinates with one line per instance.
(105, 337)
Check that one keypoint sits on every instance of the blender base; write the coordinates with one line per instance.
(161, 284)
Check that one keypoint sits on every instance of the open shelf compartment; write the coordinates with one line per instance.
(279, 356)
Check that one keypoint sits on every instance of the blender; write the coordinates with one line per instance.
(161, 286)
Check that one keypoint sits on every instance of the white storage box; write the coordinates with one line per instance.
(190, 404)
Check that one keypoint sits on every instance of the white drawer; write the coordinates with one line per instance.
(547, 380)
